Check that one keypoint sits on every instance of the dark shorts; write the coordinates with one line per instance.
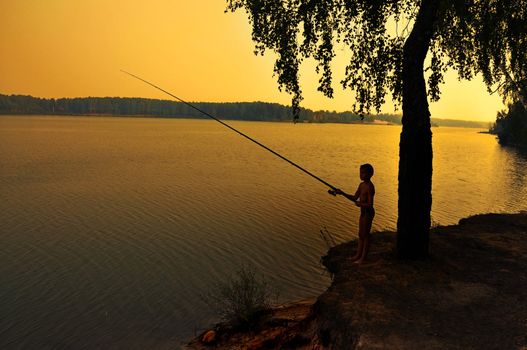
(367, 211)
(366, 219)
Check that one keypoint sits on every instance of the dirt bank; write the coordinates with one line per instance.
(471, 293)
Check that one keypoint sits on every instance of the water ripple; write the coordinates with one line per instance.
(113, 231)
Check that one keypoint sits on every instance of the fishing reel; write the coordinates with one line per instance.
(332, 192)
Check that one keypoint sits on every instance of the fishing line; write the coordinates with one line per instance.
(237, 131)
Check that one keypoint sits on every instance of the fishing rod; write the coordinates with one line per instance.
(332, 190)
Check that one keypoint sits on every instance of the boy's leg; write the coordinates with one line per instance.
(361, 239)
(366, 240)
(365, 249)
(359, 250)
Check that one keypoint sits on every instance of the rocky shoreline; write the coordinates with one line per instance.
(471, 293)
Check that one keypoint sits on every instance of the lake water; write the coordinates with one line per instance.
(111, 228)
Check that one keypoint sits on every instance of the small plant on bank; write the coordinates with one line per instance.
(241, 299)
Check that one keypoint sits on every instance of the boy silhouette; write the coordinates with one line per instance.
(363, 199)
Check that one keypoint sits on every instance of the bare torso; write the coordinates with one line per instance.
(366, 192)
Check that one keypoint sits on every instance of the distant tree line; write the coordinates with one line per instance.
(511, 125)
(18, 104)
(262, 111)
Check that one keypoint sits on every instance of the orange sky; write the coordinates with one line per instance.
(75, 48)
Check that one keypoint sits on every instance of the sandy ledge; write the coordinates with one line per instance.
(471, 294)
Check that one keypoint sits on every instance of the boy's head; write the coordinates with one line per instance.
(366, 171)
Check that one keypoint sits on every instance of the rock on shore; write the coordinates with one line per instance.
(470, 294)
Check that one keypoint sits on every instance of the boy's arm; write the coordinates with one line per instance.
(355, 197)
(352, 197)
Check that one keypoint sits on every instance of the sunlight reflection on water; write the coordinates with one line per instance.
(112, 227)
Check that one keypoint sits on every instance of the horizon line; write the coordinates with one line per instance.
(233, 102)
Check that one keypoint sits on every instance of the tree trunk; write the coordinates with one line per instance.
(415, 148)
